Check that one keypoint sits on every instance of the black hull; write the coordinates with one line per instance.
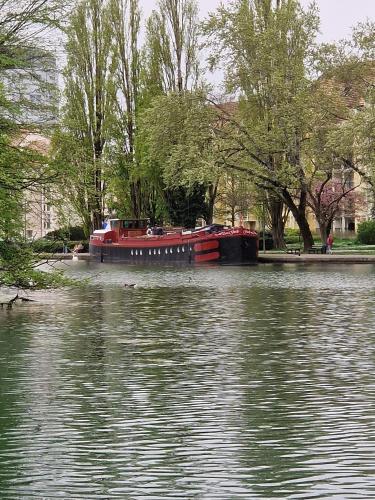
(230, 250)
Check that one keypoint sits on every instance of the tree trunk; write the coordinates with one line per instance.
(277, 222)
(305, 230)
(135, 199)
(329, 226)
(212, 193)
(299, 213)
(323, 229)
(97, 220)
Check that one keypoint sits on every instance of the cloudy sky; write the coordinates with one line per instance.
(337, 16)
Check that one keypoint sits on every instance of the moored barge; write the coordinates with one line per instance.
(130, 241)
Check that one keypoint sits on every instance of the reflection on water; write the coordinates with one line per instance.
(206, 383)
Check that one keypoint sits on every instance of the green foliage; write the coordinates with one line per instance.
(19, 268)
(172, 47)
(292, 236)
(43, 245)
(23, 168)
(264, 47)
(176, 136)
(185, 206)
(177, 133)
(73, 233)
(366, 232)
(79, 145)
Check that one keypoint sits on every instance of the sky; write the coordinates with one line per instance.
(337, 16)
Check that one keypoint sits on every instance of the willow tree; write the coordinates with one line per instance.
(79, 146)
(263, 47)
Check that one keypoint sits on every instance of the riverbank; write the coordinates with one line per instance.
(316, 258)
(266, 258)
(64, 256)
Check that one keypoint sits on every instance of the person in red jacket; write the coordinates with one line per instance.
(329, 243)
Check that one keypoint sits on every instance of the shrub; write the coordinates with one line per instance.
(57, 234)
(77, 233)
(292, 236)
(366, 232)
(74, 233)
(56, 246)
(43, 245)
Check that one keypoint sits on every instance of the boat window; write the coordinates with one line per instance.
(183, 249)
(136, 252)
(178, 249)
(140, 252)
(131, 252)
(149, 252)
(159, 251)
(171, 250)
(166, 250)
(154, 251)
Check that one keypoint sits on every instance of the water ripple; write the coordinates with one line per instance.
(206, 383)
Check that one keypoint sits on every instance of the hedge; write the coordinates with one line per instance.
(366, 232)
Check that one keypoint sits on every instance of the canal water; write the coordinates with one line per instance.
(199, 383)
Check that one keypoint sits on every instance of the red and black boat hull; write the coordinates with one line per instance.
(237, 246)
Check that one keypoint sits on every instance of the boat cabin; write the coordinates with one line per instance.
(125, 228)
(116, 229)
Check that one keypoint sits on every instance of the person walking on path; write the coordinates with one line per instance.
(329, 243)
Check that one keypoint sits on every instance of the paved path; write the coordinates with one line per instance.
(316, 258)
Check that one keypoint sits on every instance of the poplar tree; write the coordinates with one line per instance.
(79, 146)
(172, 69)
(124, 19)
(172, 44)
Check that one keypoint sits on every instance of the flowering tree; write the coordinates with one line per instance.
(330, 197)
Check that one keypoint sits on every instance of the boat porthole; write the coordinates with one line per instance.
(140, 252)
(166, 251)
(131, 252)
(149, 252)
(136, 252)
(159, 252)
(154, 251)
(183, 249)
(178, 249)
(171, 250)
